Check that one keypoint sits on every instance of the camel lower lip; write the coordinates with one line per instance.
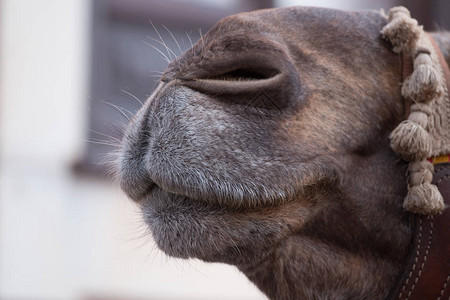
(172, 217)
(190, 228)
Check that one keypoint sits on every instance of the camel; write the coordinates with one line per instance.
(267, 146)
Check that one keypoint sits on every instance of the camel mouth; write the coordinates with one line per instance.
(191, 227)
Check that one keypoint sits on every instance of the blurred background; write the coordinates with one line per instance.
(72, 71)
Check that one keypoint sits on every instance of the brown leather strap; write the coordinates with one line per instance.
(442, 62)
(426, 275)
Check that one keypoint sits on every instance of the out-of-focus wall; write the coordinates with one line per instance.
(42, 117)
(44, 74)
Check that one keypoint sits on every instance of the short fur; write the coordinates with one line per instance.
(266, 147)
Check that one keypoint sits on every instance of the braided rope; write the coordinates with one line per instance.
(412, 140)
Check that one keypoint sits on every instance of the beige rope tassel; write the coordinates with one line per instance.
(412, 139)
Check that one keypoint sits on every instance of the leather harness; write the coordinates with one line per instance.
(426, 274)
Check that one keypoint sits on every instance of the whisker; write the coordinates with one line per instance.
(98, 142)
(105, 135)
(149, 240)
(109, 159)
(195, 269)
(160, 52)
(190, 41)
(157, 72)
(119, 128)
(157, 32)
(109, 162)
(133, 96)
(171, 51)
(112, 143)
(176, 42)
(120, 110)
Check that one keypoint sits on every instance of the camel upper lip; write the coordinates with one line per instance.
(141, 195)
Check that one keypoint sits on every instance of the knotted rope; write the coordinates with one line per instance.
(425, 133)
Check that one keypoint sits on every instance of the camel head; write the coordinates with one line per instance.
(266, 146)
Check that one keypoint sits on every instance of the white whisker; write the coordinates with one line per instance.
(133, 96)
(190, 41)
(105, 135)
(160, 52)
(120, 110)
(179, 48)
(159, 42)
(164, 44)
(98, 142)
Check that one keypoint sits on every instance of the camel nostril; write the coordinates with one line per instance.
(244, 74)
(268, 89)
(254, 72)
